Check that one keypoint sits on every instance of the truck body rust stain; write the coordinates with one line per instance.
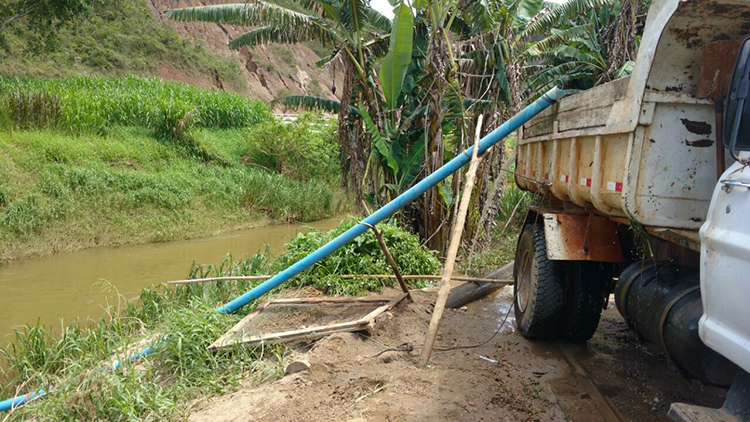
(698, 128)
(700, 143)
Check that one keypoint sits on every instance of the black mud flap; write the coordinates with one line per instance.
(736, 407)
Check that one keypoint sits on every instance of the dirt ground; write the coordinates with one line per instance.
(614, 377)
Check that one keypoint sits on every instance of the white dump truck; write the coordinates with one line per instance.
(643, 190)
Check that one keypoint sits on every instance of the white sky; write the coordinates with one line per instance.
(383, 7)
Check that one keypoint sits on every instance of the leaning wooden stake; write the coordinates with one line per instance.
(450, 260)
(391, 261)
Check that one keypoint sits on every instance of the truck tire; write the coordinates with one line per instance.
(584, 297)
(539, 287)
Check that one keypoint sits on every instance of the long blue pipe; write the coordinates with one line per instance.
(386, 211)
(19, 401)
(389, 209)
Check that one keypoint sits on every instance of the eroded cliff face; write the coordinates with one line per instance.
(270, 71)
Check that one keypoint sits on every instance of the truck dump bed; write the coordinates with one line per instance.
(643, 147)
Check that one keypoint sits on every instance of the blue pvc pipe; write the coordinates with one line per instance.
(19, 401)
(389, 209)
(386, 211)
(145, 351)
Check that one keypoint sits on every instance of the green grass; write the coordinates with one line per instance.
(95, 104)
(74, 365)
(61, 192)
(180, 323)
(119, 37)
(284, 53)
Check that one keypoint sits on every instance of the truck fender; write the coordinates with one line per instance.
(581, 237)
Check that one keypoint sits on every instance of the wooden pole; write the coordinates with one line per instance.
(450, 260)
(349, 276)
(391, 261)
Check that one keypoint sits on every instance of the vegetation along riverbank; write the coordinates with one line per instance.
(111, 161)
(72, 365)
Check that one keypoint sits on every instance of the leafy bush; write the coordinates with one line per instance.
(360, 256)
(304, 149)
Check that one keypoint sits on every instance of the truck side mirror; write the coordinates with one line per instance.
(737, 116)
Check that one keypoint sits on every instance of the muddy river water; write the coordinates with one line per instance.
(64, 286)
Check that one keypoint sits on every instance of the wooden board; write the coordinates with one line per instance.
(236, 334)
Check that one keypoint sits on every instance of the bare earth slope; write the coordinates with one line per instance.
(612, 378)
(270, 71)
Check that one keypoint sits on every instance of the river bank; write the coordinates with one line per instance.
(58, 289)
(180, 322)
(113, 161)
(63, 193)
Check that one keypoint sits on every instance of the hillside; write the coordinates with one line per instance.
(132, 37)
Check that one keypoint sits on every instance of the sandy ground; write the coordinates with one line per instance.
(614, 377)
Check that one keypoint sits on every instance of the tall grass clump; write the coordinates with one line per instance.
(95, 104)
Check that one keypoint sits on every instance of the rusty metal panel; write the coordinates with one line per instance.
(572, 237)
(717, 64)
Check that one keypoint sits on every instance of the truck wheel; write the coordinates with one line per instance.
(539, 286)
(584, 297)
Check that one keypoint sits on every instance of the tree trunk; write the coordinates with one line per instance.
(354, 154)
(434, 211)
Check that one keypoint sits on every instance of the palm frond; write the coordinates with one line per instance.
(328, 9)
(290, 26)
(271, 14)
(559, 75)
(378, 21)
(272, 34)
(309, 102)
(378, 46)
(557, 38)
(235, 14)
(560, 12)
(353, 15)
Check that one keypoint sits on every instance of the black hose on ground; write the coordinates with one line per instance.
(469, 292)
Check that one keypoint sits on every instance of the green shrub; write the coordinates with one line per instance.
(304, 149)
(360, 256)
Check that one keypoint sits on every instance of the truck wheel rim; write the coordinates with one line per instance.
(524, 281)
